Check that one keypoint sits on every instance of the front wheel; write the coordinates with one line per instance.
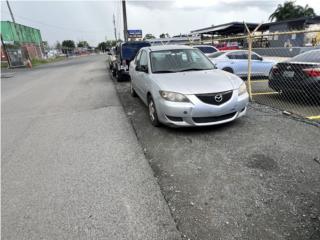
(153, 113)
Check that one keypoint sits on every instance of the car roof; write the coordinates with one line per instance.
(167, 47)
(203, 46)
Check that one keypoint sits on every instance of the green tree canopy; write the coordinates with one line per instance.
(148, 36)
(103, 46)
(68, 44)
(164, 35)
(58, 45)
(83, 44)
(290, 10)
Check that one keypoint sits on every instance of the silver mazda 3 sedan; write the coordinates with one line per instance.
(181, 87)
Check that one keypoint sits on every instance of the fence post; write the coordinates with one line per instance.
(249, 64)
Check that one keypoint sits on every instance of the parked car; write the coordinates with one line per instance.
(125, 53)
(206, 49)
(236, 61)
(181, 87)
(111, 58)
(300, 74)
(227, 46)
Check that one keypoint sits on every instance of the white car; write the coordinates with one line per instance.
(236, 61)
(181, 87)
(206, 49)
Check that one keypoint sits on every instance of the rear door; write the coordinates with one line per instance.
(239, 62)
(259, 67)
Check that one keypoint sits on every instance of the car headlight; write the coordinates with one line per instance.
(173, 96)
(242, 89)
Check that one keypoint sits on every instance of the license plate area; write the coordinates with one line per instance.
(289, 74)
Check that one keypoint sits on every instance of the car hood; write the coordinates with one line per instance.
(196, 82)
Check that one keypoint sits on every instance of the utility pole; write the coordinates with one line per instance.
(125, 26)
(13, 20)
(114, 27)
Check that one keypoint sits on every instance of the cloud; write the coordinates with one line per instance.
(152, 5)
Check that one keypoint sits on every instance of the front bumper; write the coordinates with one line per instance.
(198, 113)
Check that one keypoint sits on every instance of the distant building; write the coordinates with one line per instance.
(180, 40)
(21, 42)
(295, 40)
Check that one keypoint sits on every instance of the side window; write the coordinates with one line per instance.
(238, 55)
(231, 56)
(143, 59)
(255, 57)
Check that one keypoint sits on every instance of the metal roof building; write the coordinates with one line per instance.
(19, 34)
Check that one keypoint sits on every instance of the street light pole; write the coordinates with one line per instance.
(125, 26)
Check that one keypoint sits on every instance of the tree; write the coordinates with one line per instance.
(164, 35)
(102, 46)
(58, 45)
(148, 36)
(83, 44)
(290, 10)
(68, 46)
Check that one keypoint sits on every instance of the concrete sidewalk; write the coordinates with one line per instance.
(71, 165)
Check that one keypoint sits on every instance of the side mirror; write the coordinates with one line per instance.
(144, 69)
(261, 58)
(109, 53)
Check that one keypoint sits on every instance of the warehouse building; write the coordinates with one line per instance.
(21, 42)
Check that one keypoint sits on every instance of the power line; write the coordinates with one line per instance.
(57, 27)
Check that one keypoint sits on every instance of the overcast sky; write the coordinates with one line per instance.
(92, 20)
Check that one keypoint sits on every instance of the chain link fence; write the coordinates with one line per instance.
(282, 69)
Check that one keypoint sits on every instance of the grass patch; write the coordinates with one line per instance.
(4, 64)
(37, 62)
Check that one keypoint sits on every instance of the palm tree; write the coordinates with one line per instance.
(290, 10)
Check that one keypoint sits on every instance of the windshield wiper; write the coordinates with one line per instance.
(194, 69)
(164, 71)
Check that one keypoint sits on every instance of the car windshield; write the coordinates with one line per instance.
(216, 54)
(310, 56)
(206, 49)
(179, 60)
(129, 50)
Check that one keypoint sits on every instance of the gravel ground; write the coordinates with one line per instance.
(255, 178)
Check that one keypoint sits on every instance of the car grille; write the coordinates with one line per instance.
(213, 119)
(215, 98)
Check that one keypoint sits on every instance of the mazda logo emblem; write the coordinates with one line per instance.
(218, 97)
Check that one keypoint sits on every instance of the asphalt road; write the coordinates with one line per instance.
(255, 178)
(72, 167)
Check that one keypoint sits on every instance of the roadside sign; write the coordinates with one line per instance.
(135, 33)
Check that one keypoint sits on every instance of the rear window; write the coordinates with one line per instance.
(310, 56)
(206, 49)
(129, 50)
(216, 54)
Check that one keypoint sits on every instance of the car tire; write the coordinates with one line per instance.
(132, 91)
(119, 76)
(114, 72)
(227, 69)
(153, 116)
